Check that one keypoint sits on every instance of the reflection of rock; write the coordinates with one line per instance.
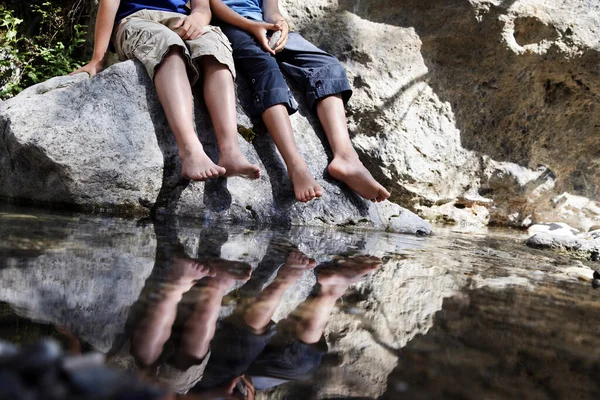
(374, 321)
(505, 344)
(87, 283)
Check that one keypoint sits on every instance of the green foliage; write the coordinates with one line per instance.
(43, 47)
(247, 133)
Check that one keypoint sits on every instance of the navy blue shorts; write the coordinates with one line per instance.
(319, 74)
(235, 351)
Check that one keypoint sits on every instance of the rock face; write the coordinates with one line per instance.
(477, 112)
(459, 99)
(104, 143)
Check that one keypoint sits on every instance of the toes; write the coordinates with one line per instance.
(310, 194)
(319, 191)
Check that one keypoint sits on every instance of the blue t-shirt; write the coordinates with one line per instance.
(129, 7)
(247, 8)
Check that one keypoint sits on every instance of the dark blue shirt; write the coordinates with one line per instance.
(128, 7)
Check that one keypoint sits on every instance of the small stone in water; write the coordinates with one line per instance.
(595, 256)
(596, 283)
(596, 275)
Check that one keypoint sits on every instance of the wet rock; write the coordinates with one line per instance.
(596, 275)
(41, 371)
(596, 283)
(560, 236)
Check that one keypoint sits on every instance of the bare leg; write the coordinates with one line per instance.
(346, 165)
(154, 329)
(278, 123)
(308, 321)
(219, 96)
(260, 311)
(175, 95)
(199, 329)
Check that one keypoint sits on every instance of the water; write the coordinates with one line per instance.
(303, 313)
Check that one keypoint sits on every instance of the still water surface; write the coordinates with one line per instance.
(303, 313)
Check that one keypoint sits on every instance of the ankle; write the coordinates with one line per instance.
(229, 151)
(346, 155)
(190, 149)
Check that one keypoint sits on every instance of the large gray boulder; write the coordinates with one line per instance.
(104, 144)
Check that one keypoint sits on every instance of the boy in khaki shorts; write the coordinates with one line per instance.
(176, 47)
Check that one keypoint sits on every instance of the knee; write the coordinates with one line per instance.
(211, 63)
(174, 52)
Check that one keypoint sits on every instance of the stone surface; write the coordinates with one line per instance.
(460, 97)
(562, 237)
(452, 100)
(104, 144)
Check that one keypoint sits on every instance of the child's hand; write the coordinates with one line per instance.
(92, 68)
(191, 26)
(259, 31)
(284, 27)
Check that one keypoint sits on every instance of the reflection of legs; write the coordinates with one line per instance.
(259, 312)
(219, 96)
(175, 95)
(154, 329)
(278, 123)
(199, 329)
(307, 323)
(346, 166)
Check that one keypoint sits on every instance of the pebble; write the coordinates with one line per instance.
(596, 283)
(595, 256)
(274, 38)
(596, 275)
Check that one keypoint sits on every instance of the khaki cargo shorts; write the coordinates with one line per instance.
(146, 35)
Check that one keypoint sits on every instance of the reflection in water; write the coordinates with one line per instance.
(302, 313)
(250, 349)
(170, 334)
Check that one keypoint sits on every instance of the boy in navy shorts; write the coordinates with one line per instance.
(321, 78)
(176, 45)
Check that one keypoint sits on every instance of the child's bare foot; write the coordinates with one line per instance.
(197, 166)
(340, 275)
(236, 164)
(354, 174)
(185, 272)
(306, 187)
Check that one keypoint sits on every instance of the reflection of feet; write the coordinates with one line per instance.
(341, 274)
(306, 187)
(354, 174)
(236, 164)
(185, 272)
(196, 166)
(73, 344)
(227, 273)
(295, 265)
